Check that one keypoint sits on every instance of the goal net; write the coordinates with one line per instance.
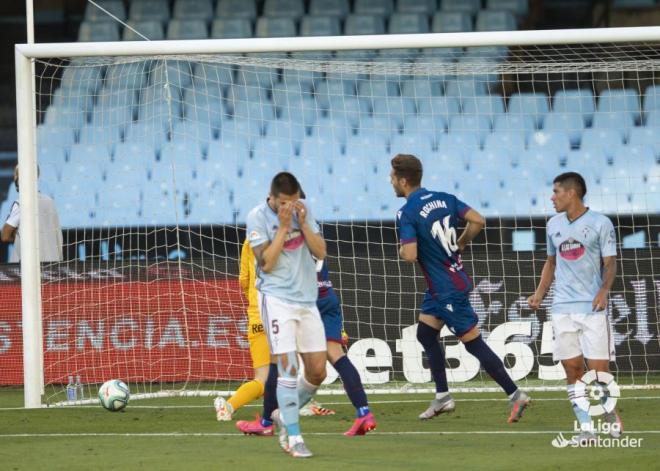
(154, 162)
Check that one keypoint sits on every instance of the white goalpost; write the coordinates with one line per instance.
(154, 151)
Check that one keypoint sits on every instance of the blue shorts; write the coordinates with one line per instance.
(331, 316)
(456, 312)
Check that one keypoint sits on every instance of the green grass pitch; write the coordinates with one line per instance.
(182, 434)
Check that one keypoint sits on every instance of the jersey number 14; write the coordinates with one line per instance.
(445, 234)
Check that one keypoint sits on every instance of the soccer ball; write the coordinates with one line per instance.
(114, 395)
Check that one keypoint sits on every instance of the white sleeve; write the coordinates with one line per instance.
(14, 217)
(256, 228)
(607, 238)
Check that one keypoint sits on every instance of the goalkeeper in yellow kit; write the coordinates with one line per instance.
(259, 350)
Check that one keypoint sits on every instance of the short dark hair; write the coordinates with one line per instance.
(284, 182)
(409, 167)
(573, 180)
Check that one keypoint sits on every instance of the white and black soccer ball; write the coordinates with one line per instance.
(114, 395)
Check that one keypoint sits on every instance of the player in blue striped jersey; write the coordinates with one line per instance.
(427, 226)
(583, 274)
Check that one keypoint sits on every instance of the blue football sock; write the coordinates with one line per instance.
(491, 363)
(287, 397)
(353, 385)
(305, 390)
(428, 337)
(270, 396)
(581, 415)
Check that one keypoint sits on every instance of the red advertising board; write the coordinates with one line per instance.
(140, 331)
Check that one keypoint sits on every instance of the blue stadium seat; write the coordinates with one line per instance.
(426, 7)
(496, 20)
(487, 53)
(82, 77)
(72, 100)
(65, 117)
(193, 10)
(125, 152)
(100, 134)
(569, 123)
(396, 108)
(177, 73)
(645, 136)
(109, 98)
(408, 23)
(194, 131)
(302, 80)
(518, 7)
(638, 157)
(382, 8)
(209, 75)
(333, 89)
(54, 136)
(601, 138)
(530, 104)
(151, 29)
(231, 9)
(557, 141)
(322, 150)
(445, 106)
(489, 105)
(98, 31)
(320, 26)
(357, 24)
(277, 150)
(117, 116)
(369, 147)
(212, 208)
(468, 6)
(202, 108)
(231, 28)
(418, 144)
(126, 76)
(239, 93)
(493, 162)
(513, 141)
(293, 9)
(332, 129)
(300, 112)
(116, 7)
(187, 29)
(464, 87)
(616, 122)
(160, 112)
(151, 133)
(589, 163)
(622, 100)
(653, 119)
(431, 126)
(292, 131)
(338, 8)
(348, 109)
(278, 27)
(465, 141)
(451, 22)
(384, 126)
(578, 101)
(377, 88)
(157, 10)
(652, 98)
(75, 211)
(421, 88)
(514, 122)
(211, 177)
(230, 152)
(543, 163)
(243, 129)
(88, 153)
(183, 153)
(476, 124)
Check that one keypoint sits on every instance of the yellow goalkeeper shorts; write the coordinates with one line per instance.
(259, 349)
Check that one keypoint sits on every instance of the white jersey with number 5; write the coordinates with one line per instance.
(579, 246)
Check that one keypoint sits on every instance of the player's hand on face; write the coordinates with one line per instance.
(301, 211)
(600, 302)
(534, 301)
(285, 214)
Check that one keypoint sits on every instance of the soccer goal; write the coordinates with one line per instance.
(154, 152)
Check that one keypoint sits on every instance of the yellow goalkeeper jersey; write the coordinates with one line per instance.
(247, 279)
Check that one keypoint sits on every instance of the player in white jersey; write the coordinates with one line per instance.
(284, 236)
(583, 273)
(50, 233)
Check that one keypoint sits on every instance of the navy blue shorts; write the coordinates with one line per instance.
(331, 316)
(456, 312)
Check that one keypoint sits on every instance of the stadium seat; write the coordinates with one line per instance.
(601, 138)
(193, 10)
(415, 143)
(89, 153)
(187, 29)
(72, 100)
(529, 104)
(330, 89)
(558, 142)
(332, 129)
(652, 98)
(369, 147)
(231, 28)
(462, 88)
(105, 31)
(75, 211)
(320, 26)
(494, 162)
(425, 7)
(54, 136)
(465, 141)
(357, 24)
(286, 129)
(384, 126)
(489, 105)
(116, 7)
(408, 23)
(231, 9)
(183, 153)
(201, 107)
(277, 27)
(478, 125)
(514, 141)
(451, 22)
(177, 73)
(377, 88)
(421, 88)
(382, 8)
(621, 100)
(542, 163)
(445, 106)
(396, 108)
(519, 7)
(653, 119)
(569, 123)
(432, 126)
(152, 133)
(126, 76)
(345, 108)
(293, 9)
(487, 53)
(81, 78)
(338, 8)
(514, 122)
(589, 163)
(616, 122)
(100, 135)
(151, 29)
(125, 152)
(273, 149)
(578, 101)
(645, 136)
(200, 132)
(468, 6)
(495, 20)
(230, 152)
(157, 10)
(211, 208)
(638, 157)
(65, 117)
(303, 80)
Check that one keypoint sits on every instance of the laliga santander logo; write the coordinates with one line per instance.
(595, 385)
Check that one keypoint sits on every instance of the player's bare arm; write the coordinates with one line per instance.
(547, 276)
(268, 253)
(315, 242)
(475, 224)
(8, 233)
(609, 273)
(408, 251)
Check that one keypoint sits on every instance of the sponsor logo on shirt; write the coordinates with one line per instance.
(571, 249)
(294, 240)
